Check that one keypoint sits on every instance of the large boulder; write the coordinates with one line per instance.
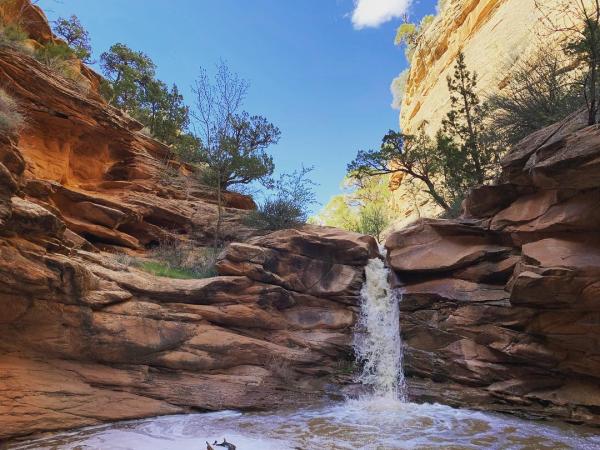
(436, 246)
(322, 262)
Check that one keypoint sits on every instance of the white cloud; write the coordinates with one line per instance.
(372, 13)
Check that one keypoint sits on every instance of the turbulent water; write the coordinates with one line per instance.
(377, 342)
(381, 421)
(352, 425)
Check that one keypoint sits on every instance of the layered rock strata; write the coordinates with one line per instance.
(85, 339)
(109, 183)
(501, 309)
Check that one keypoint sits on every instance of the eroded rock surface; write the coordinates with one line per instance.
(501, 309)
(85, 339)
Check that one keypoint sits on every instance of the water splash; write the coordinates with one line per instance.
(377, 342)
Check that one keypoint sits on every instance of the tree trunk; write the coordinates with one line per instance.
(593, 110)
(219, 215)
(474, 144)
(432, 191)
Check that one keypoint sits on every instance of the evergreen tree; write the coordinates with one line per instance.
(463, 154)
(132, 86)
(413, 156)
(233, 142)
(162, 111)
(76, 37)
(130, 73)
(463, 130)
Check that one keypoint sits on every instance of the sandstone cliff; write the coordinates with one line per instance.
(501, 309)
(493, 35)
(85, 339)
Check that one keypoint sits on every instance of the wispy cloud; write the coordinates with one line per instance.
(372, 13)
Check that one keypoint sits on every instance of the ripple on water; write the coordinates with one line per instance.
(371, 424)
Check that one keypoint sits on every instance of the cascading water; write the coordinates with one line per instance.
(377, 342)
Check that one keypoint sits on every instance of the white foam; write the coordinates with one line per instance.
(377, 342)
(357, 424)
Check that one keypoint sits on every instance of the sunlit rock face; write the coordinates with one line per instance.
(501, 308)
(493, 35)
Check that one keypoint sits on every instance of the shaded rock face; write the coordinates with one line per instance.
(85, 339)
(501, 309)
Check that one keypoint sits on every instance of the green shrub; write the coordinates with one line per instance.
(13, 36)
(540, 91)
(276, 214)
(54, 55)
(373, 220)
(187, 148)
(11, 119)
(60, 58)
(287, 207)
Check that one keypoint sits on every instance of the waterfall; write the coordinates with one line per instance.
(377, 342)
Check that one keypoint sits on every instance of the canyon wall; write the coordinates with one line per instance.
(501, 308)
(493, 35)
(86, 339)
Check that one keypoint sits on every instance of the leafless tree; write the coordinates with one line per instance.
(233, 143)
(216, 102)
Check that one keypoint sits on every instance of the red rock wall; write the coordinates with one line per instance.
(85, 339)
(87, 160)
(501, 308)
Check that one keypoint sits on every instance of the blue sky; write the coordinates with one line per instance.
(318, 72)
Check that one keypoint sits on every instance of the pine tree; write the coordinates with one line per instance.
(466, 146)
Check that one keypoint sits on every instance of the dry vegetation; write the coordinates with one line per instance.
(174, 259)
(11, 119)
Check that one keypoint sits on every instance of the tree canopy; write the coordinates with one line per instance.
(75, 35)
(462, 154)
(233, 143)
(132, 86)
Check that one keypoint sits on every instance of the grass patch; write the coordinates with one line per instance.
(175, 259)
(161, 269)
